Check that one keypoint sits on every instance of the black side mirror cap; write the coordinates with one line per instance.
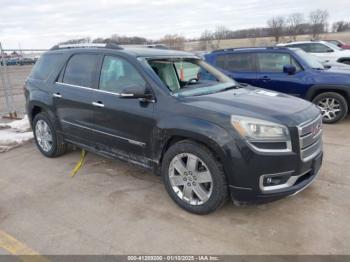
(289, 69)
(137, 93)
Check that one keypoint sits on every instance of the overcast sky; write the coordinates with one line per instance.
(42, 23)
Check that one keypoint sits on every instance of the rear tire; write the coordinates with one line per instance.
(194, 178)
(333, 105)
(47, 140)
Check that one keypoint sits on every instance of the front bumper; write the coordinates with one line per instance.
(296, 182)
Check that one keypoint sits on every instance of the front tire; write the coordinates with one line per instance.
(47, 140)
(334, 106)
(194, 178)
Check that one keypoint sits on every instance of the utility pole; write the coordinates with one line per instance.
(20, 49)
(5, 80)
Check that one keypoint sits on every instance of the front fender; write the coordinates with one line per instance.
(210, 134)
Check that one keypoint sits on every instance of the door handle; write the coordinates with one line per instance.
(58, 95)
(265, 78)
(98, 104)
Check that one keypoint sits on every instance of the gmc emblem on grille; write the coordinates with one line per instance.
(316, 129)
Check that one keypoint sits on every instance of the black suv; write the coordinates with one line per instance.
(208, 136)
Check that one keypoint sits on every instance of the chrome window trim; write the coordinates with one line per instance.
(131, 141)
(89, 88)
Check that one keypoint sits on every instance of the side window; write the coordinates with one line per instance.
(117, 74)
(296, 64)
(243, 62)
(45, 66)
(304, 47)
(81, 70)
(319, 48)
(274, 62)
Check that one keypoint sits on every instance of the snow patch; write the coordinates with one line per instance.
(17, 125)
(14, 134)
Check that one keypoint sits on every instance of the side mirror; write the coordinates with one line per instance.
(137, 92)
(289, 69)
(330, 51)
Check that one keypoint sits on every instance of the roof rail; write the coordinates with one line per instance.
(276, 47)
(250, 47)
(87, 45)
(223, 50)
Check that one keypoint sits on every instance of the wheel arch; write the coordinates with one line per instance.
(210, 144)
(343, 59)
(203, 132)
(319, 89)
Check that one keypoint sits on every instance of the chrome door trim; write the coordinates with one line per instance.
(134, 142)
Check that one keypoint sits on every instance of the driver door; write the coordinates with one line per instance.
(270, 73)
(125, 124)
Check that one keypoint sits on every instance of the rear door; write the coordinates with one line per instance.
(73, 96)
(239, 66)
(126, 124)
(271, 76)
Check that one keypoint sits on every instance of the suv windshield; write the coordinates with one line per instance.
(310, 60)
(333, 46)
(190, 76)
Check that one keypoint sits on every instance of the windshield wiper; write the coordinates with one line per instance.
(231, 87)
(241, 85)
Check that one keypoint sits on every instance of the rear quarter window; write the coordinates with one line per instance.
(240, 62)
(46, 65)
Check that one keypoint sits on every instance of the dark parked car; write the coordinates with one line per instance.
(291, 71)
(208, 136)
(26, 61)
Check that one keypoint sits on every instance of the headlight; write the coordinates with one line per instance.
(264, 135)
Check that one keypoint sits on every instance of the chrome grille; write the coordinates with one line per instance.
(310, 139)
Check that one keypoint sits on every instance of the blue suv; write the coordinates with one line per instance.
(291, 71)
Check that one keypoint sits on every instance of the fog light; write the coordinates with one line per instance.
(277, 181)
(274, 180)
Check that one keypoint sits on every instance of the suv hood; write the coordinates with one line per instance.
(258, 103)
(334, 75)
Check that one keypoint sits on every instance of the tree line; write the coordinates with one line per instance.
(313, 24)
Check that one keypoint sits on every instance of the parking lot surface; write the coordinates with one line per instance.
(112, 207)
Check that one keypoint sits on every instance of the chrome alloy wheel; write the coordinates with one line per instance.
(330, 108)
(43, 135)
(190, 179)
